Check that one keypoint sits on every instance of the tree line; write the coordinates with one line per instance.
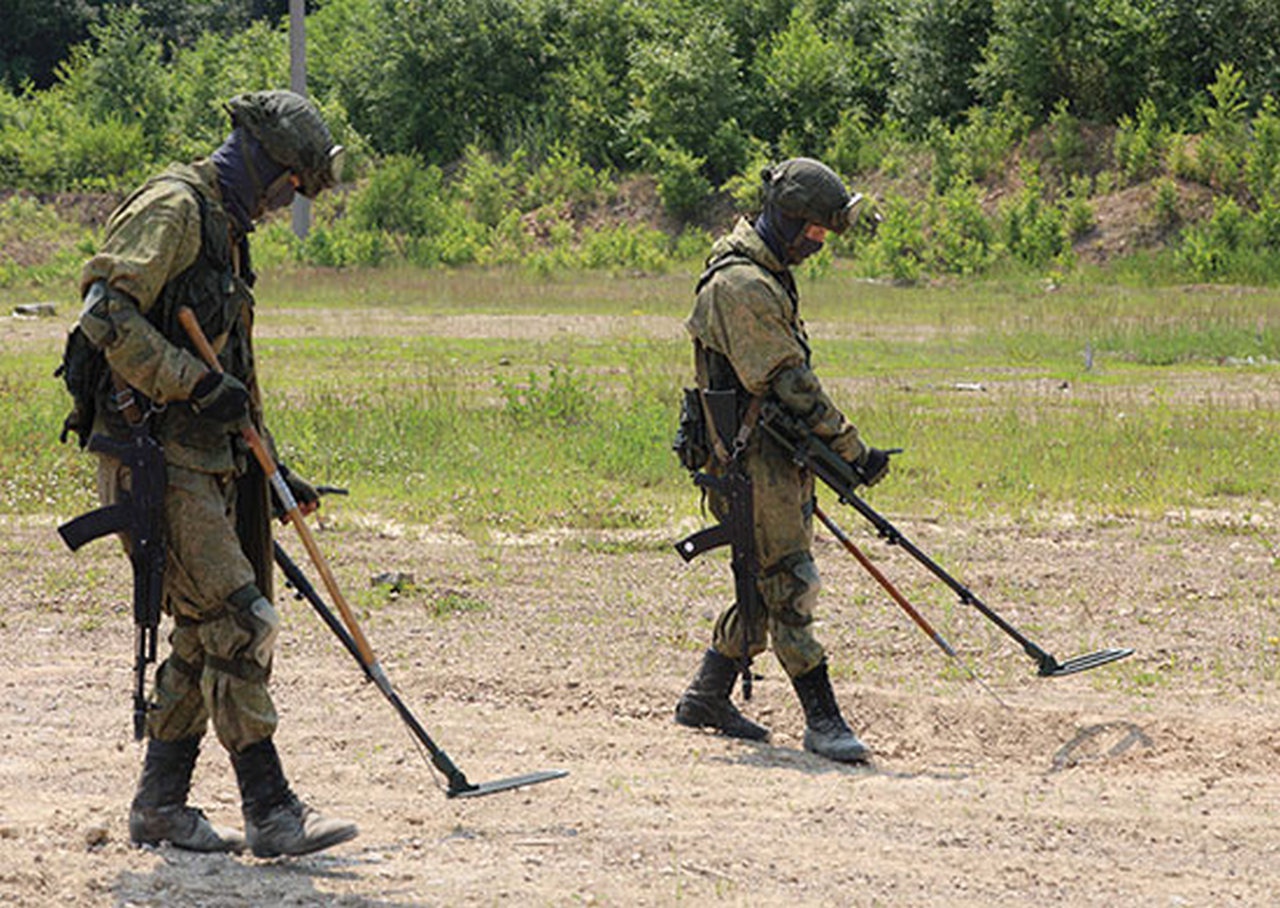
(697, 93)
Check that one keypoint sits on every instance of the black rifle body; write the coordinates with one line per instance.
(140, 517)
(733, 486)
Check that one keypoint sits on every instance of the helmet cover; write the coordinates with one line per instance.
(292, 133)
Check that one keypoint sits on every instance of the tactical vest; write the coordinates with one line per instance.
(223, 303)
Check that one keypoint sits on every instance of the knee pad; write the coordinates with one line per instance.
(790, 589)
(258, 617)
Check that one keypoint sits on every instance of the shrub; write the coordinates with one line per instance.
(681, 185)
(1034, 229)
(1139, 144)
(962, 236)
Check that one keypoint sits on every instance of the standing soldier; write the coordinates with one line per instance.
(181, 240)
(748, 338)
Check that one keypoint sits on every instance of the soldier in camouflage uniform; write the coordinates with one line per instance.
(182, 240)
(748, 337)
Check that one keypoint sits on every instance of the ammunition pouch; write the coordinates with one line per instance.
(691, 443)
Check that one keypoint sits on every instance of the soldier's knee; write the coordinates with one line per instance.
(241, 641)
(790, 589)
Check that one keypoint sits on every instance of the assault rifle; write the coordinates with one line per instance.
(139, 516)
(738, 528)
(843, 478)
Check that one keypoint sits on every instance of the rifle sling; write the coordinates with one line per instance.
(743, 434)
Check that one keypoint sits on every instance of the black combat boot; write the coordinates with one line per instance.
(276, 822)
(826, 732)
(706, 703)
(159, 812)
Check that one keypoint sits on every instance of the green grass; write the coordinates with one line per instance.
(1009, 398)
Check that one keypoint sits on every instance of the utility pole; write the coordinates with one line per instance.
(298, 83)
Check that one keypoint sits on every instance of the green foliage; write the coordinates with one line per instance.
(534, 112)
(1066, 142)
(1034, 230)
(934, 48)
(1262, 164)
(1140, 143)
(1222, 148)
(681, 185)
(686, 88)
(1076, 210)
(1101, 55)
(803, 80)
(898, 248)
(564, 400)
(963, 237)
(978, 147)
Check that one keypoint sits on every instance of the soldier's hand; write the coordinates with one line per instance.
(304, 493)
(873, 465)
(220, 397)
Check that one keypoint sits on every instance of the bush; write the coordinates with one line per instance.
(1140, 143)
(1034, 229)
(962, 237)
(898, 248)
(681, 185)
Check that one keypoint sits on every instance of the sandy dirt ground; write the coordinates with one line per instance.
(1151, 781)
(1148, 782)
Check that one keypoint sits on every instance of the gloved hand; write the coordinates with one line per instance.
(220, 397)
(304, 493)
(872, 466)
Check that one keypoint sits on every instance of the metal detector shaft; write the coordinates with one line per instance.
(900, 599)
(458, 784)
(353, 636)
(881, 579)
(302, 585)
(842, 479)
(1048, 665)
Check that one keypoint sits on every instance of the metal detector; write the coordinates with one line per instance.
(459, 787)
(843, 478)
(1049, 667)
(348, 629)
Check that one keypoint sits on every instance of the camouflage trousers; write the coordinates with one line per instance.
(206, 675)
(782, 499)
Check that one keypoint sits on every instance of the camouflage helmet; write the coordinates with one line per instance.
(808, 190)
(292, 134)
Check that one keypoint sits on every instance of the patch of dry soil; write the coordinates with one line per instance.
(1147, 782)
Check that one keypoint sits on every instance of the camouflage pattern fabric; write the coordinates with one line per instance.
(154, 240)
(157, 255)
(748, 312)
(205, 564)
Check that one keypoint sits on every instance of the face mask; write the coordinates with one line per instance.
(280, 193)
(810, 242)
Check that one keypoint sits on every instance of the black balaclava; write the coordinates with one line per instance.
(245, 171)
(782, 235)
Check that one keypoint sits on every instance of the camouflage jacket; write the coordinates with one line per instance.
(747, 310)
(170, 245)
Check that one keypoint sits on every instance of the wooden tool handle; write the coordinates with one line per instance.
(190, 324)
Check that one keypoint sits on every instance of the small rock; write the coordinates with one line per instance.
(36, 310)
(96, 836)
(397, 580)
